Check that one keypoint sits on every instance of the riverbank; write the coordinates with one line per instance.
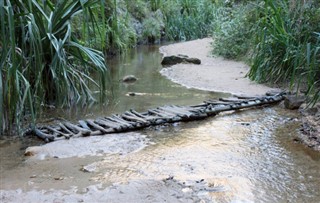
(213, 74)
(220, 75)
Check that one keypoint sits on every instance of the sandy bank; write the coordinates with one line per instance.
(214, 73)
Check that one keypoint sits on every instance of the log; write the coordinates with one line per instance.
(84, 124)
(147, 117)
(59, 133)
(43, 136)
(98, 127)
(82, 131)
(67, 130)
(179, 111)
(132, 120)
(130, 116)
(108, 123)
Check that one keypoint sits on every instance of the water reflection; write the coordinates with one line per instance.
(153, 89)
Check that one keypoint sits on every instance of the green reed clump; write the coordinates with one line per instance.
(120, 34)
(41, 60)
(188, 19)
(153, 26)
(287, 44)
(232, 30)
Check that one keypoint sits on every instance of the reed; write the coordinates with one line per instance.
(288, 44)
(188, 19)
(41, 60)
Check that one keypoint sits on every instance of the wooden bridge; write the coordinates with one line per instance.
(132, 120)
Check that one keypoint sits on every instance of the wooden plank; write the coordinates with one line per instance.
(82, 131)
(59, 133)
(180, 112)
(84, 124)
(132, 120)
(43, 136)
(130, 116)
(108, 123)
(97, 127)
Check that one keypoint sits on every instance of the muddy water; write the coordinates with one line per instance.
(248, 156)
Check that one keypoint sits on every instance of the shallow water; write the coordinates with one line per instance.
(247, 156)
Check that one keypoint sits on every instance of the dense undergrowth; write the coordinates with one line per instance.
(279, 39)
(50, 49)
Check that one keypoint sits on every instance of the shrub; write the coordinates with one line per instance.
(232, 31)
(288, 44)
(41, 60)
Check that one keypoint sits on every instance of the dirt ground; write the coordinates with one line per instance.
(221, 75)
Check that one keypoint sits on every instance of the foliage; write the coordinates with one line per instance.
(153, 26)
(188, 19)
(288, 43)
(119, 33)
(41, 60)
(232, 31)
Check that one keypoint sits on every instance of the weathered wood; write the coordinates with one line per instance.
(132, 120)
(108, 123)
(132, 117)
(98, 127)
(43, 136)
(84, 124)
(82, 131)
(58, 133)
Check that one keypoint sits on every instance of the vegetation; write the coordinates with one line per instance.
(41, 60)
(280, 39)
(288, 43)
(50, 49)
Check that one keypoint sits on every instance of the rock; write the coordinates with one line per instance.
(293, 101)
(172, 60)
(129, 78)
(89, 168)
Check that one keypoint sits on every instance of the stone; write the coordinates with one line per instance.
(172, 60)
(293, 101)
(129, 78)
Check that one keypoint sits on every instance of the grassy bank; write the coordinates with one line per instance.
(279, 39)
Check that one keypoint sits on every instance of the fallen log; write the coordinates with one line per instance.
(132, 120)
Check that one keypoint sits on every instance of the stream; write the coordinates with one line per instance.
(243, 156)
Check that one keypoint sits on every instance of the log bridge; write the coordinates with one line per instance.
(132, 120)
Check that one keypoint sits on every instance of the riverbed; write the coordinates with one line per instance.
(244, 156)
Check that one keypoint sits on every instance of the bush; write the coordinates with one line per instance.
(287, 44)
(41, 59)
(232, 31)
(188, 19)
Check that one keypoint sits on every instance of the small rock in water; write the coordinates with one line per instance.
(293, 101)
(89, 168)
(129, 78)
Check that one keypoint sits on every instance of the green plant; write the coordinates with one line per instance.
(192, 19)
(41, 60)
(232, 31)
(153, 26)
(288, 45)
(119, 33)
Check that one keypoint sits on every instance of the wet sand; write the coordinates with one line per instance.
(214, 73)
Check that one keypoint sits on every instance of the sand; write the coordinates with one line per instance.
(214, 74)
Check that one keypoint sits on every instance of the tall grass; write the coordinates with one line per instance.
(232, 30)
(280, 39)
(41, 60)
(288, 44)
(188, 19)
